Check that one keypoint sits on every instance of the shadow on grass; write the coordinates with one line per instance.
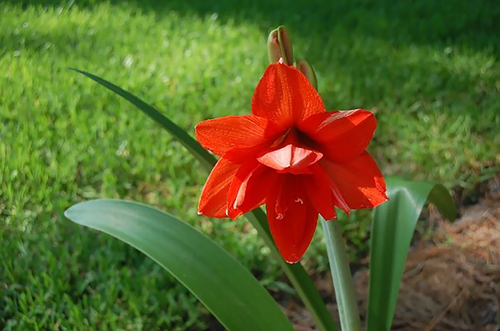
(460, 23)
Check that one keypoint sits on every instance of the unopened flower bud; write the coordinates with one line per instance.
(305, 68)
(279, 46)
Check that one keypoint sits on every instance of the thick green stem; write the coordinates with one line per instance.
(341, 276)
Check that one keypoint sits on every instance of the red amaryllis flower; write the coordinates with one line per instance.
(292, 155)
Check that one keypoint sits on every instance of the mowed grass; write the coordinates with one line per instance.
(429, 69)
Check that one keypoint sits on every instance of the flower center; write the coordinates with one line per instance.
(288, 154)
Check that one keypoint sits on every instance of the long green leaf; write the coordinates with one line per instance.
(393, 225)
(218, 280)
(296, 273)
(182, 136)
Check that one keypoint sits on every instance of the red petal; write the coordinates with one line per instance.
(342, 134)
(213, 200)
(291, 158)
(359, 181)
(338, 199)
(249, 188)
(285, 96)
(291, 216)
(224, 134)
(318, 187)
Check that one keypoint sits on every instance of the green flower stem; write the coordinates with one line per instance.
(341, 276)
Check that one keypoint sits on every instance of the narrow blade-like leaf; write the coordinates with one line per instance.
(181, 135)
(393, 225)
(219, 281)
(295, 272)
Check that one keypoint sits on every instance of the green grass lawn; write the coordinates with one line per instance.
(430, 69)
